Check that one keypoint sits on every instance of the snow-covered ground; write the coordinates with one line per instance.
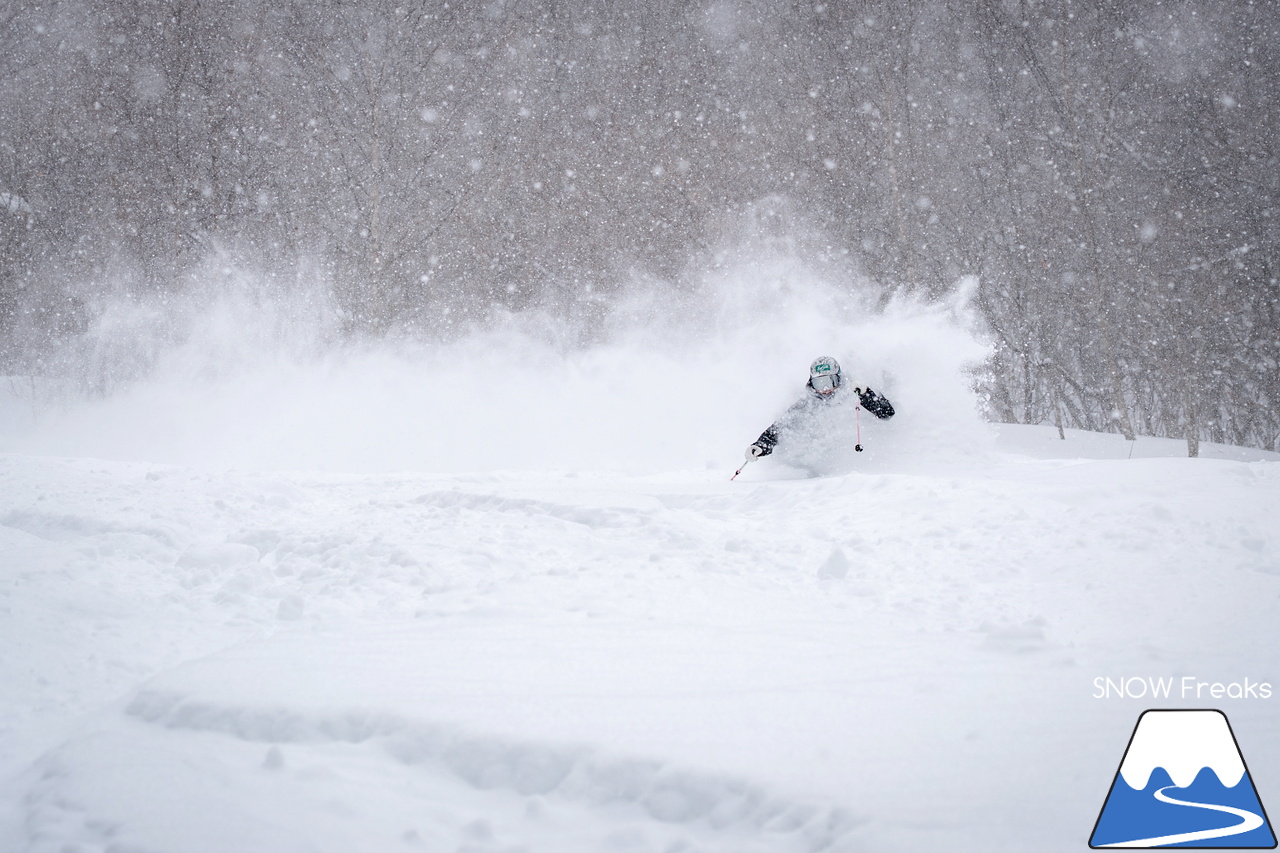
(199, 661)
(225, 655)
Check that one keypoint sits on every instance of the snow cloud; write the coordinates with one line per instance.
(674, 378)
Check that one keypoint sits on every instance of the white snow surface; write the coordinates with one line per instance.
(1183, 743)
(381, 603)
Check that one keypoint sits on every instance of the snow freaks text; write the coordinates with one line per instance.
(1185, 687)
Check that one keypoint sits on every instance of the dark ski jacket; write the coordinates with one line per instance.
(874, 403)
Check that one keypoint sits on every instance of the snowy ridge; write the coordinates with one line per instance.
(662, 791)
(1183, 743)
(556, 796)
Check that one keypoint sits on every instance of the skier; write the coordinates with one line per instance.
(824, 388)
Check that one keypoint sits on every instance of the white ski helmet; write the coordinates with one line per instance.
(824, 375)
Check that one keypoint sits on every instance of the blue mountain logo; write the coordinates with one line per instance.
(1183, 783)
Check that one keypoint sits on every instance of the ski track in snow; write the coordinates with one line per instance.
(210, 661)
(1248, 822)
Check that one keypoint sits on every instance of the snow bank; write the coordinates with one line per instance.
(678, 379)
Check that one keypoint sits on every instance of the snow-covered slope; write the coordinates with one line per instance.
(500, 595)
(200, 660)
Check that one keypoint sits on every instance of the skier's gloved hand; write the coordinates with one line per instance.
(860, 387)
(755, 451)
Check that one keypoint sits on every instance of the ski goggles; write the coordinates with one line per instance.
(824, 383)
